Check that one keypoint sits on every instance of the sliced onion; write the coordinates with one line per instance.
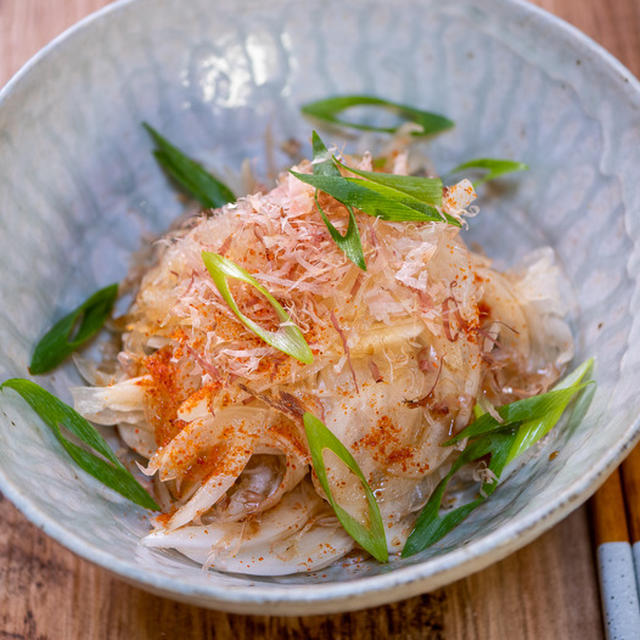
(213, 488)
(122, 402)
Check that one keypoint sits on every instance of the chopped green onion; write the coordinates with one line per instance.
(430, 526)
(323, 163)
(524, 423)
(495, 168)
(526, 409)
(189, 174)
(350, 242)
(390, 197)
(61, 340)
(375, 199)
(356, 193)
(531, 430)
(288, 338)
(328, 109)
(426, 190)
(371, 538)
(108, 469)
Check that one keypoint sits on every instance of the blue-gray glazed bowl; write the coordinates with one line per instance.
(79, 189)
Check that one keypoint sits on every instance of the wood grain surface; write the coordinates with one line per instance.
(630, 471)
(546, 590)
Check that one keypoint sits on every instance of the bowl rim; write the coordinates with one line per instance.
(369, 591)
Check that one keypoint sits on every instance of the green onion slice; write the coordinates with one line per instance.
(73, 330)
(107, 469)
(425, 190)
(376, 198)
(350, 242)
(495, 168)
(531, 430)
(387, 196)
(528, 409)
(373, 538)
(525, 422)
(430, 526)
(288, 338)
(328, 109)
(189, 174)
(536, 407)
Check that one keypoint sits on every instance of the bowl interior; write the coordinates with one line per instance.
(79, 191)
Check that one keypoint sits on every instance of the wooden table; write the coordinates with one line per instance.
(547, 590)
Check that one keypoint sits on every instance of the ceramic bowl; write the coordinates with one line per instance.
(79, 189)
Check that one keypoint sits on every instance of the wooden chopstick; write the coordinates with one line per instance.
(630, 471)
(608, 512)
(618, 587)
